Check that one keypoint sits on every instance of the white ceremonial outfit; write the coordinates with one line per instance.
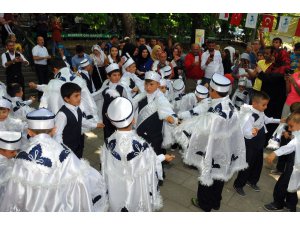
(200, 108)
(131, 80)
(158, 104)
(12, 124)
(251, 118)
(184, 102)
(20, 108)
(3, 90)
(131, 170)
(53, 101)
(9, 141)
(111, 89)
(214, 142)
(48, 177)
(274, 142)
(292, 146)
(6, 166)
(240, 97)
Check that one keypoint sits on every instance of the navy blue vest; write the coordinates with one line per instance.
(88, 82)
(72, 131)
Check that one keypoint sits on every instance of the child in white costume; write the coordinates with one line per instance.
(48, 177)
(8, 123)
(201, 106)
(152, 110)
(129, 78)
(274, 142)
(214, 143)
(241, 95)
(10, 143)
(165, 73)
(109, 91)
(20, 108)
(130, 166)
(52, 99)
(292, 146)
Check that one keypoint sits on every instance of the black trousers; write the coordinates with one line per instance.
(282, 159)
(42, 75)
(79, 151)
(254, 158)
(210, 197)
(280, 194)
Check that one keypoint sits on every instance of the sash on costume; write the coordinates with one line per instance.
(146, 112)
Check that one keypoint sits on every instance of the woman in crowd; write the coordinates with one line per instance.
(99, 60)
(178, 63)
(226, 61)
(144, 61)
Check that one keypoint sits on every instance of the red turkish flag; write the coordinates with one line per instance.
(297, 33)
(267, 22)
(236, 19)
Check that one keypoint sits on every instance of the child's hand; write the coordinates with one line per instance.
(100, 125)
(270, 158)
(254, 131)
(282, 120)
(32, 98)
(135, 89)
(286, 135)
(170, 119)
(32, 85)
(169, 157)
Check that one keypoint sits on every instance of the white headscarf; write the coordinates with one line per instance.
(98, 61)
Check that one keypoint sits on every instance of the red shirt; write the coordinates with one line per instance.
(282, 61)
(56, 31)
(192, 71)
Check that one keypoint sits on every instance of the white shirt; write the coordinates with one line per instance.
(40, 51)
(215, 66)
(259, 123)
(287, 149)
(12, 57)
(61, 122)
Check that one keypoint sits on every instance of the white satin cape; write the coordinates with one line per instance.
(133, 184)
(68, 185)
(213, 144)
(53, 101)
(6, 166)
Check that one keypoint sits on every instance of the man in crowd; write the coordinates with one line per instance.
(192, 64)
(12, 62)
(211, 62)
(40, 56)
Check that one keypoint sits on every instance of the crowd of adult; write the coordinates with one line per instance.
(279, 78)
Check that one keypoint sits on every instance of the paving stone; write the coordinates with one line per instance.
(177, 176)
(172, 206)
(177, 193)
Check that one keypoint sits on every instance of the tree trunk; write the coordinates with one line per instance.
(129, 25)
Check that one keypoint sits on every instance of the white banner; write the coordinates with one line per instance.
(251, 20)
(224, 16)
(284, 24)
